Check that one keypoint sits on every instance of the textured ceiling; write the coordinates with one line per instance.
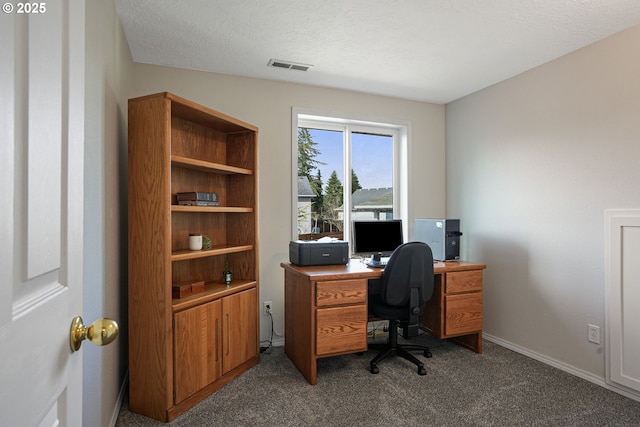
(428, 50)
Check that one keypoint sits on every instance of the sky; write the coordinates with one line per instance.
(372, 157)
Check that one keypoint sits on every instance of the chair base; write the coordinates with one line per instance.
(392, 348)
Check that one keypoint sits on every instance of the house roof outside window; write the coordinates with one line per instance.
(304, 188)
(367, 199)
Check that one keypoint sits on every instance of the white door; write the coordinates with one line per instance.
(623, 299)
(41, 211)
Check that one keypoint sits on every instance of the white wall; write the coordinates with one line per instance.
(532, 164)
(108, 73)
(268, 105)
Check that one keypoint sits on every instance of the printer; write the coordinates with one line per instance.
(314, 252)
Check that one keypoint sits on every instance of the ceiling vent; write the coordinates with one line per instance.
(289, 65)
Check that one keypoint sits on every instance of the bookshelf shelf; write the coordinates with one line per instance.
(183, 255)
(213, 291)
(211, 209)
(205, 166)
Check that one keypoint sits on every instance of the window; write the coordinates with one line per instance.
(371, 155)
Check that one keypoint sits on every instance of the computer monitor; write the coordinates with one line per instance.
(377, 237)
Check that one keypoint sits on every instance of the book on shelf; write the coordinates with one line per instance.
(197, 195)
(197, 203)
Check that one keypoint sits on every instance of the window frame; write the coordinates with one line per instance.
(400, 132)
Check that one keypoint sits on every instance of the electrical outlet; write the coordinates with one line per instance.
(266, 308)
(594, 334)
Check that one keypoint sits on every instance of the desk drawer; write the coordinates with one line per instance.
(341, 329)
(463, 313)
(341, 292)
(463, 281)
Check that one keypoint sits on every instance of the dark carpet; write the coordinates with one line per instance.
(496, 388)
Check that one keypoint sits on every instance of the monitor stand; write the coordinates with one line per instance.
(377, 261)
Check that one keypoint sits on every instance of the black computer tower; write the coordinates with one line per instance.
(442, 236)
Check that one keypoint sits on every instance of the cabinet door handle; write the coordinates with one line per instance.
(217, 340)
(228, 333)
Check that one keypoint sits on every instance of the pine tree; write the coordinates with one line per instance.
(307, 163)
(307, 153)
(333, 200)
(355, 182)
(316, 186)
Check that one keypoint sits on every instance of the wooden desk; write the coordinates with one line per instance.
(326, 309)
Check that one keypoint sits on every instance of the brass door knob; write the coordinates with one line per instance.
(100, 332)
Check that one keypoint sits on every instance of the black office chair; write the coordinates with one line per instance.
(405, 287)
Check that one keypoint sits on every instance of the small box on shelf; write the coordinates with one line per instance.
(184, 289)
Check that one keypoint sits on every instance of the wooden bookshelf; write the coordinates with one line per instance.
(182, 350)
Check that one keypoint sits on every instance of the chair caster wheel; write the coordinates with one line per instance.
(375, 370)
(421, 370)
(427, 354)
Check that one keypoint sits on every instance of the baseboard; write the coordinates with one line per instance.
(562, 366)
(123, 391)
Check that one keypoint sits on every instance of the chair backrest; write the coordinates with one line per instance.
(410, 266)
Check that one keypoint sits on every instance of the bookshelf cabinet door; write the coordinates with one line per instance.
(197, 349)
(240, 330)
